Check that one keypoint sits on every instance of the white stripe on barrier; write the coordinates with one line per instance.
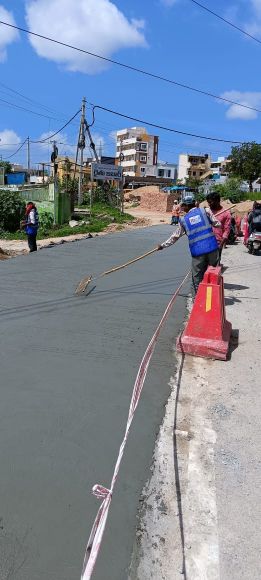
(101, 492)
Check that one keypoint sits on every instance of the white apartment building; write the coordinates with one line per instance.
(136, 150)
(162, 170)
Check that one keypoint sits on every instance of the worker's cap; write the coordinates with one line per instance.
(188, 200)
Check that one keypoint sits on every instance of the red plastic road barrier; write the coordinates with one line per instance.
(101, 492)
(207, 333)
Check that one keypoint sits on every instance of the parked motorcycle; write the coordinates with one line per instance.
(254, 243)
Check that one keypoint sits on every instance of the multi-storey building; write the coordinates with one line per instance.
(193, 166)
(136, 150)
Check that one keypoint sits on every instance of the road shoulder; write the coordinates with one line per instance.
(200, 510)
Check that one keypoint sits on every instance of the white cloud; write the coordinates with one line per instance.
(169, 2)
(113, 136)
(251, 99)
(8, 140)
(253, 27)
(97, 26)
(8, 35)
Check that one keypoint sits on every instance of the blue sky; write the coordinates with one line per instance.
(173, 38)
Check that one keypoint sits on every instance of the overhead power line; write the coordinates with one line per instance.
(59, 130)
(25, 98)
(226, 21)
(132, 68)
(17, 151)
(171, 130)
(27, 110)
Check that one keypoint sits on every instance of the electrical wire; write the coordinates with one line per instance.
(27, 110)
(132, 68)
(59, 130)
(32, 101)
(165, 128)
(25, 98)
(17, 151)
(225, 20)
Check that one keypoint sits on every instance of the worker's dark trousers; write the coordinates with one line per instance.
(32, 242)
(200, 265)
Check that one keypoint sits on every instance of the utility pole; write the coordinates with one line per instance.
(53, 159)
(120, 184)
(43, 166)
(28, 158)
(81, 146)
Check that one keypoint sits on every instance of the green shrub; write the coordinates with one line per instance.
(45, 219)
(12, 209)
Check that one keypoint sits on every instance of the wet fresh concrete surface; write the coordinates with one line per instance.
(68, 365)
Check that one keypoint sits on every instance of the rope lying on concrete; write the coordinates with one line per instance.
(95, 539)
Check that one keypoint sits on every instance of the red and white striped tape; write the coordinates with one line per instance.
(101, 492)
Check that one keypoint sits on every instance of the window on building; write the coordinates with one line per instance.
(142, 169)
(143, 158)
(143, 146)
(160, 172)
(168, 173)
(201, 173)
(194, 173)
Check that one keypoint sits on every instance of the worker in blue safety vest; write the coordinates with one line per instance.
(197, 225)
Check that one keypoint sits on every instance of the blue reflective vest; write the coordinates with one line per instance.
(31, 229)
(199, 231)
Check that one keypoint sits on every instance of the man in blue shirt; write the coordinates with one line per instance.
(197, 225)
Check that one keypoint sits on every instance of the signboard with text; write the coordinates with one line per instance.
(106, 172)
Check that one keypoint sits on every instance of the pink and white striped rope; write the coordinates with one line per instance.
(95, 539)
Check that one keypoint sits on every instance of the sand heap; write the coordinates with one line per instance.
(241, 208)
(152, 198)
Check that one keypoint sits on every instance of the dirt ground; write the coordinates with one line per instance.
(153, 217)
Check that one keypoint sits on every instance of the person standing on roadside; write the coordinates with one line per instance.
(31, 224)
(222, 233)
(175, 213)
(197, 223)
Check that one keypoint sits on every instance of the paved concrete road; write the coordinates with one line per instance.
(67, 370)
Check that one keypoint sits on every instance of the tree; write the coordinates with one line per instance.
(193, 182)
(6, 165)
(231, 189)
(12, 207)
(246, 162)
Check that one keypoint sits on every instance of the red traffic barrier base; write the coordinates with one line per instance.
(207, 333)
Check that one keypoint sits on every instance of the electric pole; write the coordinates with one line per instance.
(43, 166)
(28, 158)
(120, 184)
(55, 166)
(81, 146)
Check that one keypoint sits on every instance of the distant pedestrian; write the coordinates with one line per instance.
(175, 213)
(221, 233)
(254, 218)
(245, 228)
(31, 224)
(197, 224)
